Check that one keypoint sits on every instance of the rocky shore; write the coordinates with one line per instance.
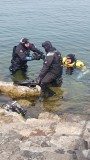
(50, 137)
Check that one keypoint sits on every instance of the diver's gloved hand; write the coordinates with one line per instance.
(43, 56)
(29, 58)
(36, 56)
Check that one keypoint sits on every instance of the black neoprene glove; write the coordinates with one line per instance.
(36, 56)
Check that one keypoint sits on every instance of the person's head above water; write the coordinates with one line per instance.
(47, 45)
(70, 58)
(25, 42)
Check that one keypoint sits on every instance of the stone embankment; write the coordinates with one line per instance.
(50, 137)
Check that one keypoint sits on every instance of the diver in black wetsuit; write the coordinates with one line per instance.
(21, 54)
(52, 69)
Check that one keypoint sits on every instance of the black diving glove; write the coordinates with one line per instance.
(36, 56)
(43, 56)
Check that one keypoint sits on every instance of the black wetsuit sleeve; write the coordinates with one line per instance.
(46, 65)
(34, 49)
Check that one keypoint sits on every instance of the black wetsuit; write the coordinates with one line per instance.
(52, 67)
(19, 55)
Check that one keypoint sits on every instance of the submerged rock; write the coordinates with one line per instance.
(16, 91)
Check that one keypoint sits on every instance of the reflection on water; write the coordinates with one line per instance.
(82, 74)
(4, 99)
(69, 70)
(19, 76)
(53, 103)
(46, 104)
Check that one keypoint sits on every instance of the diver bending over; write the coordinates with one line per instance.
(52, 69)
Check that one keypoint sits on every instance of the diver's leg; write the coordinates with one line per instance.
(24, 68)
(19, 75)
(49, 77)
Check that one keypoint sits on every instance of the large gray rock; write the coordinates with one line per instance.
(50, 137)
